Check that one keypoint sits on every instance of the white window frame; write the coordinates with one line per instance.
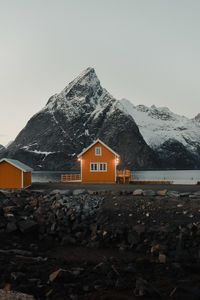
(98, 151)
(104, 164)
(93, 163)
(98, 166)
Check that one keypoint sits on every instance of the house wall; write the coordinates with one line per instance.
(98, 177)
(27, 179)
(10, 176)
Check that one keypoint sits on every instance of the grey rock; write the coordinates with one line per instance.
(78, 192)
(16, 252)
(184, 194)
(27, 226)
(11, 227)
(2, 195)
(149, 193)
(61, 192)
(173, 194)
(197, 193)
(138, 192)
(139, 228)
(12, 295)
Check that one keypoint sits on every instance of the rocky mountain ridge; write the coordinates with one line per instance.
(175, 138)
(72, 120)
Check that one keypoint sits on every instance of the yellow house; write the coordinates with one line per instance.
(14, 174)
(98, 163)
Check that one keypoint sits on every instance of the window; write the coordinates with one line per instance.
(98, 151)
(102, 167)
(98, 167)
(93, 167)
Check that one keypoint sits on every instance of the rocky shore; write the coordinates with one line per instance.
(84, 244)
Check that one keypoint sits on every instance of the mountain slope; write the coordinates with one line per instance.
(2, 148)
(175, 138)
(74, 118)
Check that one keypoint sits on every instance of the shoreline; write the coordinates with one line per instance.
(50, 186)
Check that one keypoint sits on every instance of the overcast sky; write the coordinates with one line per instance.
(144, 50)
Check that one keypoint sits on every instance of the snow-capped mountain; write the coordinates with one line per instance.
(175, 138)
(145, 137)
(74, 118)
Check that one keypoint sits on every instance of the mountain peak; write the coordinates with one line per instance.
(84, 85)
(87, 71)
(87, 79)
(88, 76)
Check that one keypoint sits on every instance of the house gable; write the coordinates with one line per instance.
(93, 144)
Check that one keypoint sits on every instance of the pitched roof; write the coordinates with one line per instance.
(95, 142)
(17, 164)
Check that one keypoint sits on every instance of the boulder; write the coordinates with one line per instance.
(12, 295)
(2, 195)
(139, 228)
(11, 227)
(162, 192)
(186, 194)
(27, 226)
(197, 193)
(149, 193)
(138, 192)
(78, 192)
(162, 258)
(173, 194)
(61, 192)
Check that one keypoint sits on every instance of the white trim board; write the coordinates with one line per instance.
(22, 183)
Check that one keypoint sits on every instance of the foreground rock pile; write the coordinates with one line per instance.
(87, 245)
(59, 215)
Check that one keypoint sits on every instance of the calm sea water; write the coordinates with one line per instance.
(182, 176)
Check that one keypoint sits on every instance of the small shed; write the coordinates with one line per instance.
(14, 174)
(98, 163)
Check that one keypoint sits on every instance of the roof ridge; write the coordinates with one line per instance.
(18, 164)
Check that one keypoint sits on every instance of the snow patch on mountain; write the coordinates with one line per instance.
(159, 124)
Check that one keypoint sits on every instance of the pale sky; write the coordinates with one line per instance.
(144, 50)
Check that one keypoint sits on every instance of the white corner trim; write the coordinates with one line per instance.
(81, 169)
(22, 178)
(115, 170)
